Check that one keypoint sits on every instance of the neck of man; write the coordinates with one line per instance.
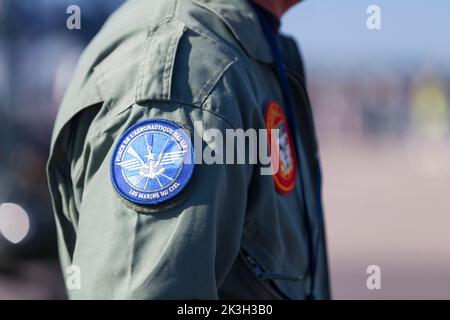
(277, 7)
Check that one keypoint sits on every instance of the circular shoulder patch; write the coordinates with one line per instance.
(152, 162)
(284, 152)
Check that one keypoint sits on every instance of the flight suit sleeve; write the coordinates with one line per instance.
(179, 249)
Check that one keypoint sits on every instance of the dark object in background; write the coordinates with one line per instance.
(37, 54)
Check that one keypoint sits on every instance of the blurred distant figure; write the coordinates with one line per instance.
(430, 112)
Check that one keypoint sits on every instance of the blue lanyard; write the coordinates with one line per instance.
(284, 84)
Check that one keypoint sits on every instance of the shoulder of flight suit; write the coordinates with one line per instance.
(152, 52)
(158, 52)
(135, 56)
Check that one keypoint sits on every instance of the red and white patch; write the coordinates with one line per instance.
(283, 152)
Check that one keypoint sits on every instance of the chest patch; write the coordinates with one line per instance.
(283, 152)
(152, 162)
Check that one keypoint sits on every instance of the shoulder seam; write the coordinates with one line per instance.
(208, 87)
(167, 65)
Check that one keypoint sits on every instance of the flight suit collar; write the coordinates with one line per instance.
(241, 19)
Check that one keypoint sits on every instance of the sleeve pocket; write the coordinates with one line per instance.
(278, 286)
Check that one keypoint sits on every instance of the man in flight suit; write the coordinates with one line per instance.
(136, 212)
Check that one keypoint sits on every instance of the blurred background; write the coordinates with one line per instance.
(381, 100)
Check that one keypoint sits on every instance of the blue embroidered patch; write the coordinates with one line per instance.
(152, 162)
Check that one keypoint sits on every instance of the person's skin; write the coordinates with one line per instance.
(277, 7)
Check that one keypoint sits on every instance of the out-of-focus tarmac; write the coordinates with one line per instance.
(388, 204)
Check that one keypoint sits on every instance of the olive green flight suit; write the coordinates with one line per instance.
(231, 234)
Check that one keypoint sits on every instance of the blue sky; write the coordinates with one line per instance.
(334, 31)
